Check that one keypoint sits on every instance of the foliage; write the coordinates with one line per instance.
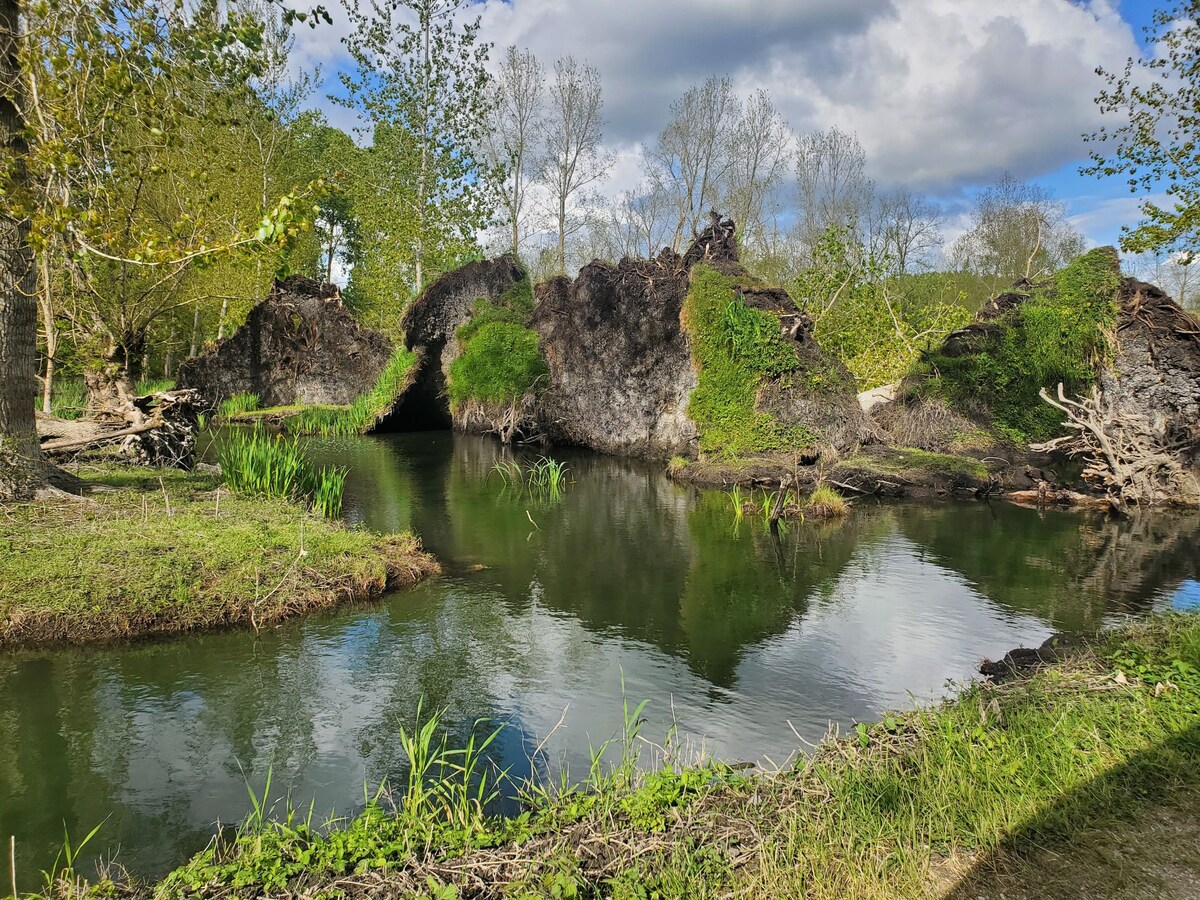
(514, 305)
(239, 403)
(736, 348)
(366, 410)
(1059, 334)
(500, 363)
(876, 322)
(193, 556)
(260, 464)
(1159, 97)
(420, 195)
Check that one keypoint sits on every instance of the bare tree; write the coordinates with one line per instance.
(905, 228)
(760, 152)
(518, 101)
(690, 159)
(573, 158)
(635, 223)
(1018, 231)
(833, 190)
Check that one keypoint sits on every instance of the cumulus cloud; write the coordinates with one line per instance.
(941, 93)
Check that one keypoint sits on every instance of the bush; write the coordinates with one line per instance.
(500, 363)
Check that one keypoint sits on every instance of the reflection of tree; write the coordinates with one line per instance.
(1065, 568)
(745, 584)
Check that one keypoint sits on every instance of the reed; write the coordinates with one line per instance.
(266, 465)
(239, 403)
(545, 479)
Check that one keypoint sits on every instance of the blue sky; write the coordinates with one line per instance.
(945, 95)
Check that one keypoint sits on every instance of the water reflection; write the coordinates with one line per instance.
(736, 636)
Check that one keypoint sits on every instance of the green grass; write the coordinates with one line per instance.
(892, 809)
(910, 461)
(545, 479)
(366, 410)
(259, 464)
(825, 502)
(1060, 334)
(239, 403)
(500, 363)
(736, 348)
(165, 551)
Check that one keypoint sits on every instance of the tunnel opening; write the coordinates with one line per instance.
(425, 405)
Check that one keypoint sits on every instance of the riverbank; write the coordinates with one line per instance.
(1082, 772)
(155, 552)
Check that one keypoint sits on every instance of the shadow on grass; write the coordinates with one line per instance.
(1132, 833)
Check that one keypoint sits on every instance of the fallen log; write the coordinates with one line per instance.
(156, 430)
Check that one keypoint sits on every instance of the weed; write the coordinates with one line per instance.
(545, 479)
(825, 503)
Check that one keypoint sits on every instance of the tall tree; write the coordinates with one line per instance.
(509, 141)
(759, 156)
(1156, 147)
(420, 79)
(1018, 230)
(572, 157)
(21, 470)
(833, 190)
(690, 159)
(905, 229)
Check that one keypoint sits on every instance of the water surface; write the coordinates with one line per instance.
(741, 639)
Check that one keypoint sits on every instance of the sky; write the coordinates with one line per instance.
(944, 95)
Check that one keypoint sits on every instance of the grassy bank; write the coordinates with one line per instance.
(1027, 784)
(157, 552)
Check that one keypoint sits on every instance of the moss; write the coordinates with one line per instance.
(736, 349)
(189, 557)
(907, 460)
(1060, 334)
(500, 363)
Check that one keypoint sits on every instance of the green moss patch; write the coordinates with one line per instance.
(907, 461)
(499, 363)
(736, 349)
(1059, 334)
(162, 551)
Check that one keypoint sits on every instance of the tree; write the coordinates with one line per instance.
(833, 190)
(420, 80)
(1156, 146)
(759, 153)
(21, 471)
(689, 161)
(572, 158)
(514, 123)
(1018, 230)
(905, 228)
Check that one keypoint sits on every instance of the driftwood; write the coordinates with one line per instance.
(1125, 456)
(157, 430)
(1046, 494)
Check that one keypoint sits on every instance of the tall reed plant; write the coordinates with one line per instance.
(266, 465)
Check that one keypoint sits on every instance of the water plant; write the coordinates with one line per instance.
(544, 479)
(825, 502)
(241, 402)
(255, 462)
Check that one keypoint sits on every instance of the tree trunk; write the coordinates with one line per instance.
(224, 313)
(195, 334)
(22, 471)
(112, 386)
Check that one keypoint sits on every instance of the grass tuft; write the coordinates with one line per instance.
(242, 402)
(826, 503)
(268, 465)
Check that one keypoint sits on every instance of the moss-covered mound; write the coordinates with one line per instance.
(1059, 331)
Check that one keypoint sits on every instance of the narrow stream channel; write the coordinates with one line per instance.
(741, 640)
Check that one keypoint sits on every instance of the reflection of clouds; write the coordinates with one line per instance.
(632, 588)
